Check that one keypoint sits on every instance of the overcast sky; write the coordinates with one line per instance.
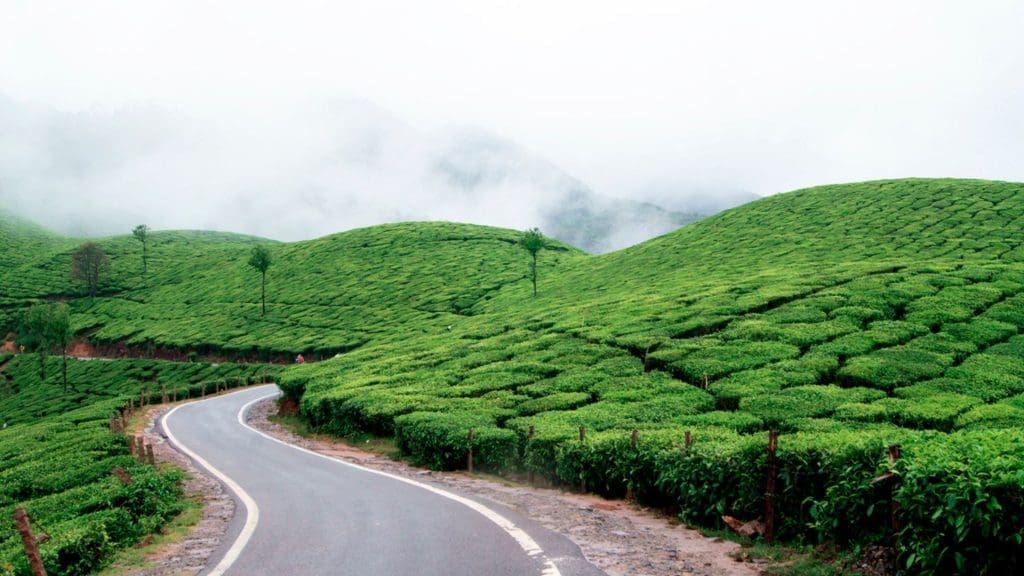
(636, 99)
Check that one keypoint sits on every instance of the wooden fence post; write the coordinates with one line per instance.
(149, 455)
(122, 475)
(29, 542)
(769, 496)
(469, 456)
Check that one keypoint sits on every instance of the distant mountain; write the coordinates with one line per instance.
(600, 224)
(299, 175)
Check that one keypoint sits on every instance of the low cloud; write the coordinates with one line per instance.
(301, 174)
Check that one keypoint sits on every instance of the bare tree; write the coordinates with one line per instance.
(88, 265)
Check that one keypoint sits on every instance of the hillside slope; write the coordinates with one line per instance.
(324, 296)
(848, 317)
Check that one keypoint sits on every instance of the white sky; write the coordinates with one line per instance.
(636, 98)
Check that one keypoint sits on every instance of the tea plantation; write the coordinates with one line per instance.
(57, 454)
(849, 318)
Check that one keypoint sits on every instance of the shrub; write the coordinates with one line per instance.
(440, 440)
(961, 499)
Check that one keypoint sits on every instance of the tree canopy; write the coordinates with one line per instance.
(141, 233)
(533, 242)
(260, 260)
(44, 326)
(88, 265)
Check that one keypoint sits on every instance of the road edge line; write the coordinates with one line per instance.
(252, 511)
(525, 541)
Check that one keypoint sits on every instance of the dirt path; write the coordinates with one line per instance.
(615, 536)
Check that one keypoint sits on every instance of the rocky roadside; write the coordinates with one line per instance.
(187, 557)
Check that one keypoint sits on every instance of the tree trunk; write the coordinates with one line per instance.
(42, 366)
(533, 273)
(263, 296)
(64, 354)
(144, 268)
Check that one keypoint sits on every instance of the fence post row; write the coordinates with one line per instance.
(35, 561)
(769, 497)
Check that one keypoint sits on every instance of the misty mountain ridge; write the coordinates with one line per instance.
(302, 174)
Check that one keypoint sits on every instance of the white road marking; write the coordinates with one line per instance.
(252, 511)
(525, 541)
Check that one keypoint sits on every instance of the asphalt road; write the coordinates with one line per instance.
(300, 513)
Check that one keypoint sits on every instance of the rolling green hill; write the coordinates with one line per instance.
(848, 317)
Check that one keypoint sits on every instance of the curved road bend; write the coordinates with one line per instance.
(319, 516)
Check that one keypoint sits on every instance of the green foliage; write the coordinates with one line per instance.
(88, 265)
(259, 260)
(90, 382)
(848, 317)
(59, 469)
(141, 233)
(533, 242)
(961, 504)
(441, 440)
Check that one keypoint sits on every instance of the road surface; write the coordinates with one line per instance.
(306, 514)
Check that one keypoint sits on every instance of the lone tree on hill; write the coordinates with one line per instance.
(260, 260)
(88, 265)
(533, 242)
(44, 326)
(141, 233)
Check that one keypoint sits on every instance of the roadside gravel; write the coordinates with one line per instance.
(187, 557)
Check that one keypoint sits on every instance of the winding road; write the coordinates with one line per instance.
(302, 513)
